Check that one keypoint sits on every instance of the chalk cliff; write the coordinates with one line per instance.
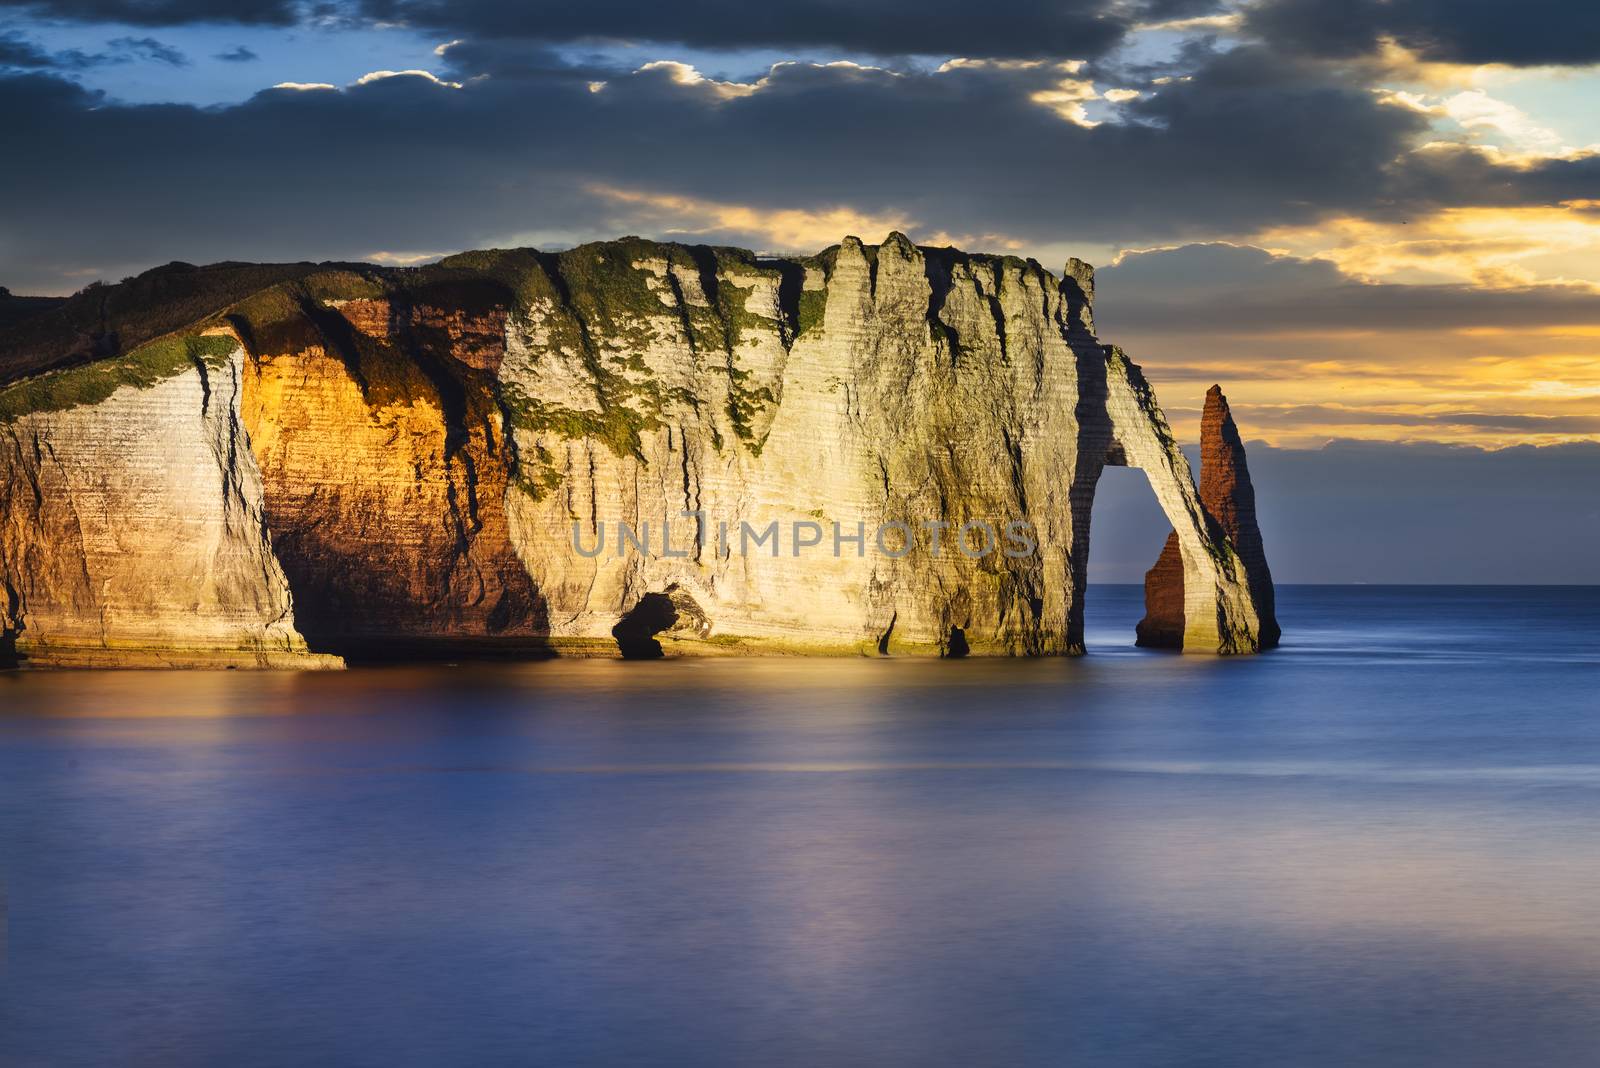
(132, 532)
(366, 462)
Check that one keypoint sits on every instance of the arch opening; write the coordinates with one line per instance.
(1130, 528)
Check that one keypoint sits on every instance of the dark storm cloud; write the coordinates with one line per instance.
(1527, 33)
(1392, 512)
(20, 53)
(404, 163)
(527, 61)
(1023, 28)
(1448, 175)
(1079, 28)
(161, 12)
(1234, 290)
(1249, 140)
(1161, 10)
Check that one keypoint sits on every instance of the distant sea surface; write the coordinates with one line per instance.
(1378, 845)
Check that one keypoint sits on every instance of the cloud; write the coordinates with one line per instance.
(1066, 99)
(1477, 110)
(792, 230)
(1240, 289)
(1027, 28)
(241, 54)
(19, 53)
(161, 12)
(967, 150)
(1529, 33)
(148, 48)
(1501, 248)
(1387, 512)
(427, 76)
(1175, 10)
(403, 259)
(1308, 352)
(1443, 174)
(1247, 140)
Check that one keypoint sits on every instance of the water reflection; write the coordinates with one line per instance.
(1372, 847)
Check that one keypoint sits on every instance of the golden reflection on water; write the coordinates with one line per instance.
(182, 694)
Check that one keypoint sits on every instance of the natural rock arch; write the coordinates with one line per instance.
(1228, 499)
(1211, 596)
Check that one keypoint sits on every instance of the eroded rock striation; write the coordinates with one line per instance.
(1229, 501)
(514, 452)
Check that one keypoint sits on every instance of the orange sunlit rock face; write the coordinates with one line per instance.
(474, 336)
(384, 484)
(370, 317)
(477, 340)
(1162, 625)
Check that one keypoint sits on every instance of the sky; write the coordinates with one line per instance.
(1371, 220)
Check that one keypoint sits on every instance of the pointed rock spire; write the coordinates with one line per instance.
(1077, 284)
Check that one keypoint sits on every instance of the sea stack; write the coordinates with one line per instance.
(1229, 501)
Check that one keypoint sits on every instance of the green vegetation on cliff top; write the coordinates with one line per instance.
(107, 321)
(606, 311)
(594, 303)
(92, 383)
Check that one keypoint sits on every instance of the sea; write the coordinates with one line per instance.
(1376, 845)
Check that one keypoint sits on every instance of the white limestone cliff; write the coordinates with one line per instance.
(131, 532)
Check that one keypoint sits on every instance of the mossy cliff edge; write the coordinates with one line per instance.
(349, 461)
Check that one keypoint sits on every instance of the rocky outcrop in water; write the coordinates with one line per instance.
(1230, 508)
(524, 453)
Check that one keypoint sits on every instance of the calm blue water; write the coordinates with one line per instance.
(1379, 845)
